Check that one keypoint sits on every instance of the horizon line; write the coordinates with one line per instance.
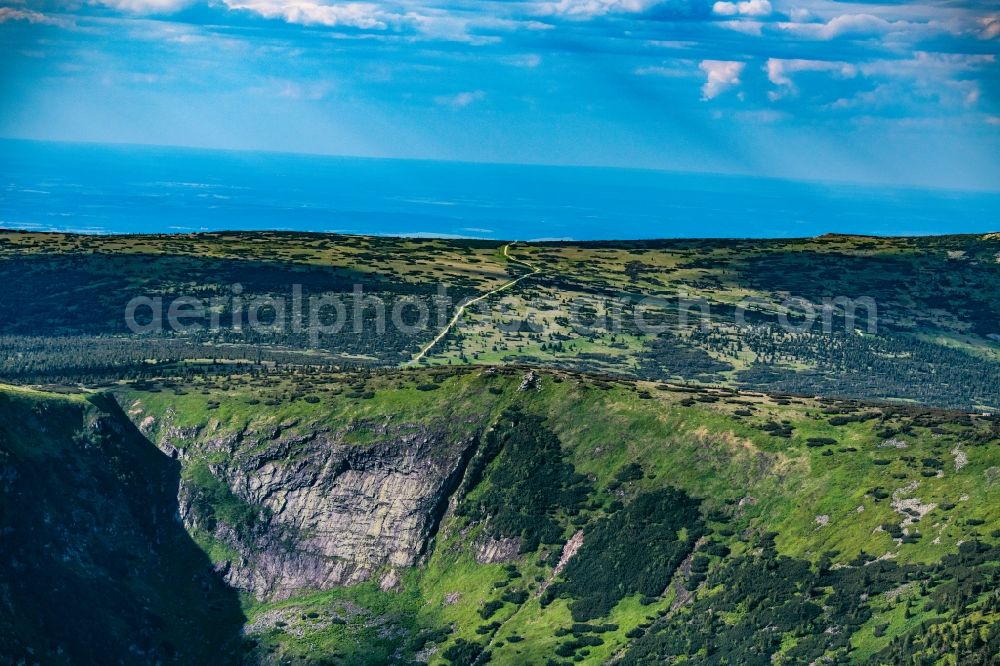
(545, 165)
(421, 236)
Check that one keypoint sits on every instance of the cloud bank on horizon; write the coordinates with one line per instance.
(875, 92)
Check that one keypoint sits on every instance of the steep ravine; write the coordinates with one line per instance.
(309, 509)
(94, 566)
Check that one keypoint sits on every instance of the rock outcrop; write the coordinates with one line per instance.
(327, 512)
(494, 551)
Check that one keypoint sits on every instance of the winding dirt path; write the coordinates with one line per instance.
(461, 308)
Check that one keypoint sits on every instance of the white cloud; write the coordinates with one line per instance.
(937, 81)
(745, 8)
(296, 90)
(755, 8)
(720, 76)
(924, 82)
(363, 15)
(882, 95)
(928, 66)
(990, 26)
(591, 8)
(527, 60)
(673, 72)
(760, 116)
(779, 71)
(431, 22)
(10, 14)
(462, 99)
(859, 25)
(439, 24)
(144, 6)
(847, 25)
(972, 97)
(799, 14)
(744, 26)
(725, 9)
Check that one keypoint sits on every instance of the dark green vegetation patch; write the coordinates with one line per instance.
(635, 550)
(528, 482)
(760, 605)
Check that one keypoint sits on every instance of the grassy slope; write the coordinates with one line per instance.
(695, 441)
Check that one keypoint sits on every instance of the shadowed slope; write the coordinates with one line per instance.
(95, 566)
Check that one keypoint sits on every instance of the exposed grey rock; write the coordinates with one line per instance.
(390, 581)
(910, 508)
(961, 458)
(493, 551)
(531, 380)
(330, 513)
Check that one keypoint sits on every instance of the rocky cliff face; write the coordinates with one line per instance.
(325, 511)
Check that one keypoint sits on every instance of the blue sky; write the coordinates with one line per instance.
(905, 93)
